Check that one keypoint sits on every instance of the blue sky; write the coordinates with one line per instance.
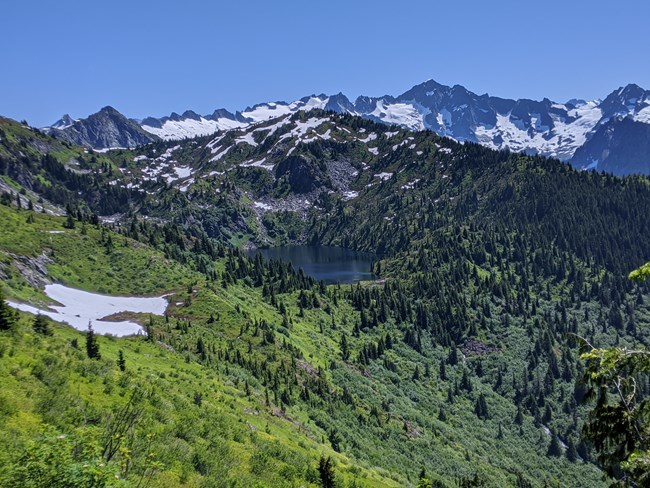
(153, 57)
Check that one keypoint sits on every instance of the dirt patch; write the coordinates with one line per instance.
(305, 366)
(478, 348)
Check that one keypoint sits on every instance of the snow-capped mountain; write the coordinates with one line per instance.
(620, 146)
(63, 123)
(536, 127)
(543, 127)
(576, 131)
(191, 124)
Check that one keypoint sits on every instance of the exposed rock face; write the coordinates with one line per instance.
(34, 270)
(303, 175)
(621, 147)
(106, 129)
(63, 122)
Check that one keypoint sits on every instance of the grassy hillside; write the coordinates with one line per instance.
(206, 406)
(193, 424)
(461, 361)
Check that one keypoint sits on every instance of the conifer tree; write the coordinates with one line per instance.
(481, 408)
(554, 448)
(345, 349)
(41, 325)
(326, 472)
(121, 362)
(92, 347)
(7, 317)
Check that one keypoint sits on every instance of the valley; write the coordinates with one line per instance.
(460, 356)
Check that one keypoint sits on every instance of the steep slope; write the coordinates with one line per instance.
(171, 413)
(105, 129)
(63, 123)
(457, 360)
(620, 146)
(233, 394)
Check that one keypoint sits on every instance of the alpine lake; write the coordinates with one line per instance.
(327, 263)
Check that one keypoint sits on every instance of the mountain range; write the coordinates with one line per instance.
(608, 135)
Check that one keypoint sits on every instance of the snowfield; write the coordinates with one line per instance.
(79, 308)
(188, 128)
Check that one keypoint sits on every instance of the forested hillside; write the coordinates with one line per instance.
(459, 366)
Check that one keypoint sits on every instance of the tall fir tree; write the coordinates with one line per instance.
(92, 347)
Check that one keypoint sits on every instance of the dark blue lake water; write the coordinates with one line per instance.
(327, 263)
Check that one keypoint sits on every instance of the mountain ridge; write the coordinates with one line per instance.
(545, 127)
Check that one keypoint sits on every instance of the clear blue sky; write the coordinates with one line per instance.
(147, 57)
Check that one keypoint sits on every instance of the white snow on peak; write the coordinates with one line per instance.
(184, 187)
(187, 128)
(302, 128)
(78, 308)
(370, 137)
(410, 185)
(643, 115)
(258, 164)
(561, 141)
(262, 206)
(168, 153)
(404, 114)
(220, 154)
(246, 138)
(266, 111)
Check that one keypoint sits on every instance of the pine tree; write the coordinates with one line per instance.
(326, 472)
(41, 325)
(345, 348)
(335, 440)
(69, 223)
(7, 317)
(92, 347)
(416, 373)
(572, 451)
(121, 363)
(554, 449)
(150, 329)
(481, 408)
(519, 417)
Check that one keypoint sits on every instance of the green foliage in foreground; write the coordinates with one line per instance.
(460, 364)
(85, 410)
(619, 424)
(242, 386)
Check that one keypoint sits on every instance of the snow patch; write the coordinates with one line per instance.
(262, 206)
(247, 138)
(78, 308)
(188, 128)
(405, 114)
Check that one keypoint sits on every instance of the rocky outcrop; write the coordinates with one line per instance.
(303, 175)
(105, 129)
